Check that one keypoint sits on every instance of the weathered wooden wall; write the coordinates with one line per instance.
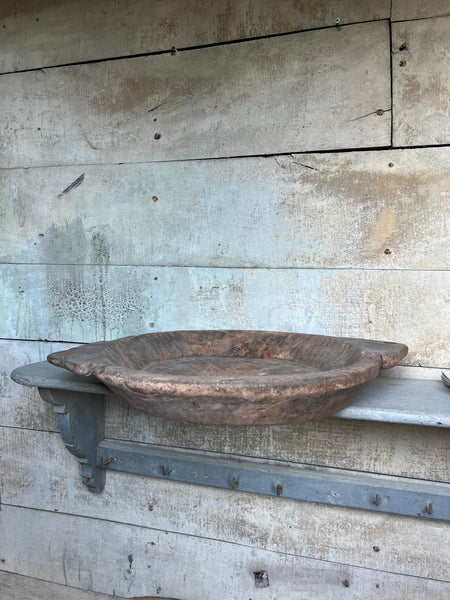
(297, 183)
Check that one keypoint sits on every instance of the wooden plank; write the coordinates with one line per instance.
(274, 524)
(251, 98)
(21, 406)
(92, 303)
(413, 373)
(142, 562)
(397, 400)
(421, 80)
(317, 210)
(385, 448)
(387, 399)
(47, 33)
(18, 587)
(403, 10)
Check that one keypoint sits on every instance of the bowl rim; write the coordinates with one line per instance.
(319, 382)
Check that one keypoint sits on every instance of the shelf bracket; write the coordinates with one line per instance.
(81, 419)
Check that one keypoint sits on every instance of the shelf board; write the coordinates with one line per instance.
(387, 399)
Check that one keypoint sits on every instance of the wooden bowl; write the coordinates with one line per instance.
(233, 377)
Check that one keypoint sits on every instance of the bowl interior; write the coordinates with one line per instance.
(212, 353)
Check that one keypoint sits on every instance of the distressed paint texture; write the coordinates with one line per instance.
(82, 553)
(47, 33)
(277, 525)
(337, 243)
(419, 9)
(421, 82)
(22, 406)
(287, 94)
(313, 210)
(91, 303)
(18, 587)
(410, 451)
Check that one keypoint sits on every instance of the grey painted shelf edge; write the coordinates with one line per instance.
(294, 481)
(387, 399)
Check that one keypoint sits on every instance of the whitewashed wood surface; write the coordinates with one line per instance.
(18, 587)
(274, 524)
(421, 81)
(312, 210)
(317, 90)
(39, 34)
(419, 9)
(292, 93)
(132, 561)
(22, 406)
(404, 450)
(91, 303)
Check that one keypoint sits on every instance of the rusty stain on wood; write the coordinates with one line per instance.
(310, 219)
(384, 228)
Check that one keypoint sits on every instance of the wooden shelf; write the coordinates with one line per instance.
(387, 399)
(81, 402)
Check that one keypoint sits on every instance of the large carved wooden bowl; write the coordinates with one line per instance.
(233, 377)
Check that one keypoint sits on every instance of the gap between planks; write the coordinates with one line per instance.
(208, 268)
(212, 539)
(418, 18)
(221, 455)
(190, 48)
(235, 156)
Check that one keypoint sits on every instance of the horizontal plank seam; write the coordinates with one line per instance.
(420, 18)
(225, 267)
(232, 157)
(193, 536)
(37, 341)
(207, 158)
(63, 585)
(281, 461)
(231, 455)
(37, 430)
(190, 48)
